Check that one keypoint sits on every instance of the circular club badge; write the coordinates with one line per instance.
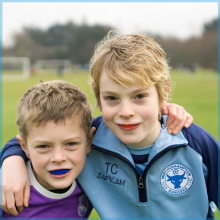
(83, 205)
(176, 179)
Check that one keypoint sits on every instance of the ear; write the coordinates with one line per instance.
(166, 99)
(100, 108)
(23, 145)
(91, 135)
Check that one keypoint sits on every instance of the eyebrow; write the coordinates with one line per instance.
(109, 92)
(41, 141)
(66, 140)
(132, 91)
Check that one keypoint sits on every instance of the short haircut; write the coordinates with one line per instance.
(55, 101)
(133, 59)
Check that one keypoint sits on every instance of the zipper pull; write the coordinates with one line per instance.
(141, 183)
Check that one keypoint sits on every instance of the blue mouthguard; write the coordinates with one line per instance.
(58, 172)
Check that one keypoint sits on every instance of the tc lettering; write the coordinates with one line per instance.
(111, 168)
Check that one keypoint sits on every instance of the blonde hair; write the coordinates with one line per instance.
(54, 101)
(133, 59)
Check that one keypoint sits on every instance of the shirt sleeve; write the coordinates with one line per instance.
(97, 121)
(12, 148)
(207, 146)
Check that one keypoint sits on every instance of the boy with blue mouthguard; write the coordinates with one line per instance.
(130, 79)
(54, 120)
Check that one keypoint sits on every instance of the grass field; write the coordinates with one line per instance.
(197, 93)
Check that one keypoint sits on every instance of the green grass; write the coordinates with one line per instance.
(13, 91)
(197, 93)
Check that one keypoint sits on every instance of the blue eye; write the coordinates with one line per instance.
(43, 146)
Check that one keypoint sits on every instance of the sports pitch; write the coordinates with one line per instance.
(197, 93)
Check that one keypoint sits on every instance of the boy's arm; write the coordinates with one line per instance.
(15, 179)
(208, 147)
(16, 190)
(12, 148)
(177, 118)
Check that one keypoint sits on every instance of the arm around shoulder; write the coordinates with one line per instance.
(15, 179)
(11, 148)
(208, 147)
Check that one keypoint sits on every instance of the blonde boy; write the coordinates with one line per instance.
(130, 101)
(143, 171)
(54, 120)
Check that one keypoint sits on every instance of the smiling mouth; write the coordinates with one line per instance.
(59, 172)
(128, 126)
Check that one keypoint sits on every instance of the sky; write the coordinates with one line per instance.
(181, 20)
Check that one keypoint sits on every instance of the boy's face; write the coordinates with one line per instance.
(130, 113)
(57, 147)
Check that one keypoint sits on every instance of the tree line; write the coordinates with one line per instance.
(201, 50)
(76, 43)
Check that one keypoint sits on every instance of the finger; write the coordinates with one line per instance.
(12, 209)
(26, 194)
(179, 121)
(164, 110)
(4, 207)
(180, 126)
(10, 204)
(189, 120)
(20, 208)
(19, 200)
(171, 117)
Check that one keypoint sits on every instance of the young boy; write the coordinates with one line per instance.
(54, 120)
(143, 171)
(130, 100)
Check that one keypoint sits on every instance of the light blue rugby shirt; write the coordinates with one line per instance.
(140, 157)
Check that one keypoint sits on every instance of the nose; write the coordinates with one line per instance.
(126, 110)
(58, 156)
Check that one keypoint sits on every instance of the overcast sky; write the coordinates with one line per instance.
(181, 20)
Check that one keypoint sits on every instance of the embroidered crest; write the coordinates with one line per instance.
(83, 205)
(176, 179)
